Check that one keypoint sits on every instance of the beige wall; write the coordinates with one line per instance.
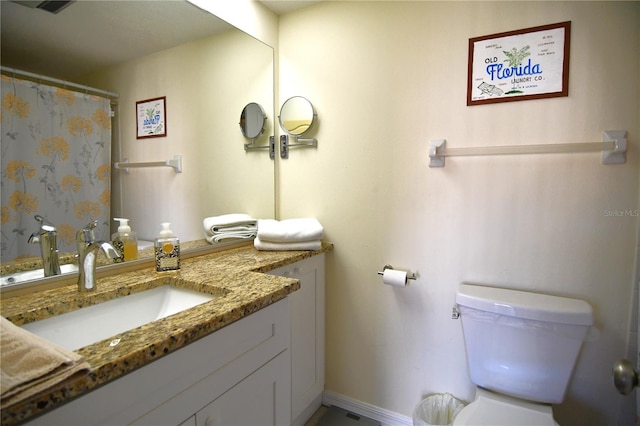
(385, 78)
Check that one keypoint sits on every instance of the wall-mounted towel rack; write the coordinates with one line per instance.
(613, 147)
(175, 163)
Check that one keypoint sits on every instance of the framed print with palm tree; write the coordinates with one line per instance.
(151, 118)
(530, 63)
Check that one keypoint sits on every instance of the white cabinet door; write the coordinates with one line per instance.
(307, 336)
(259, 399)
(266, 335)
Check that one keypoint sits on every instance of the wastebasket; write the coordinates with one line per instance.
(437, 409)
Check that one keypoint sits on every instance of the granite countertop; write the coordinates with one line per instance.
(236, 276)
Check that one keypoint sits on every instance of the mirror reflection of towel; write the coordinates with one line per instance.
(31, 365)
(229, 226)
(212, 239)
(232, 222)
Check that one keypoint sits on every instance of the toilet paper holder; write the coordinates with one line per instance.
(410, 276)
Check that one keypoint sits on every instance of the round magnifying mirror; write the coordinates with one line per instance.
(252, 120)
(297, 115)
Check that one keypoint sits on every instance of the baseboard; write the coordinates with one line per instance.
(386, 417)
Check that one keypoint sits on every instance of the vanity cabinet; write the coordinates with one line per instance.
(264, 369)
(238, 375)
(307, 336)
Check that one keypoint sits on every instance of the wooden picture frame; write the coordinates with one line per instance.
(151, 118)
(531, 63)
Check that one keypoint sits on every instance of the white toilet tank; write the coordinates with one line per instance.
(520, 343)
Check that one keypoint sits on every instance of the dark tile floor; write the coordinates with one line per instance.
(334, 416)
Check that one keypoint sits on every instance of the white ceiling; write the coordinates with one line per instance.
(280, 7)
(90, 35)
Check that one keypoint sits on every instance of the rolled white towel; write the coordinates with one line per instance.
(234, 222)
(271, 246)
(290, 230)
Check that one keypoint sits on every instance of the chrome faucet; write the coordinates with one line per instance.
(47, 237)
(87, 252)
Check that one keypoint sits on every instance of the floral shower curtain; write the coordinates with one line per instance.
(56, 159)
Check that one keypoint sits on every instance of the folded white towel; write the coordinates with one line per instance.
(290, 230)
(271, 246)
(212, 239)
(229, 223)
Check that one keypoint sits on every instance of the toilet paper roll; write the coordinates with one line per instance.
(394, 277)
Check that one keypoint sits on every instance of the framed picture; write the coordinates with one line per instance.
(151, 118)
(531, 63)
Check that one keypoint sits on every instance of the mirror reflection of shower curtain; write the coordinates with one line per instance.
(56, 156)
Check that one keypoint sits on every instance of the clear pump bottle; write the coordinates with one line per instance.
(167, 247)
(125, 240)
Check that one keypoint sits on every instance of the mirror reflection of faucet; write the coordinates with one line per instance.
(87, 252)
(47, 238)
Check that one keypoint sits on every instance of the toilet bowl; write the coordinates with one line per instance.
(521, 349)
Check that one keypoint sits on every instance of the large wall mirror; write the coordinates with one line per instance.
(206, 69)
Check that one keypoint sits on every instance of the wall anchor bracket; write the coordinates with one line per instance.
(436, 159)
(251, 146)
(285, 145)
(617, 155)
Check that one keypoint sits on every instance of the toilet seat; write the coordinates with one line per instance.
(492, 409)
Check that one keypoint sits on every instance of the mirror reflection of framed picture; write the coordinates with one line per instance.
(531, 63)
(151, 118)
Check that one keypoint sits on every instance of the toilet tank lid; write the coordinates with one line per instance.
(524, 304)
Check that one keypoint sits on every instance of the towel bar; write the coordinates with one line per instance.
(175, 163)
(613, 147)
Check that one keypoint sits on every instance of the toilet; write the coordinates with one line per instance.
(521, 349)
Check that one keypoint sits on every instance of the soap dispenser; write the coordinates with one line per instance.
(125, 241)
(167, 247)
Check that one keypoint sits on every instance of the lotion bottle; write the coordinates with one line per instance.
(125, 240)
(167, 247)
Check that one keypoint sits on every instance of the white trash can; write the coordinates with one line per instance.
(437, 409)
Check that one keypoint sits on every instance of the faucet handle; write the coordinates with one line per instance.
(86, 235)
(45, 225)
(46, 228)
(39, 219)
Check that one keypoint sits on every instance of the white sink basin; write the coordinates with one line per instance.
(35, 274)
(83, 327)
